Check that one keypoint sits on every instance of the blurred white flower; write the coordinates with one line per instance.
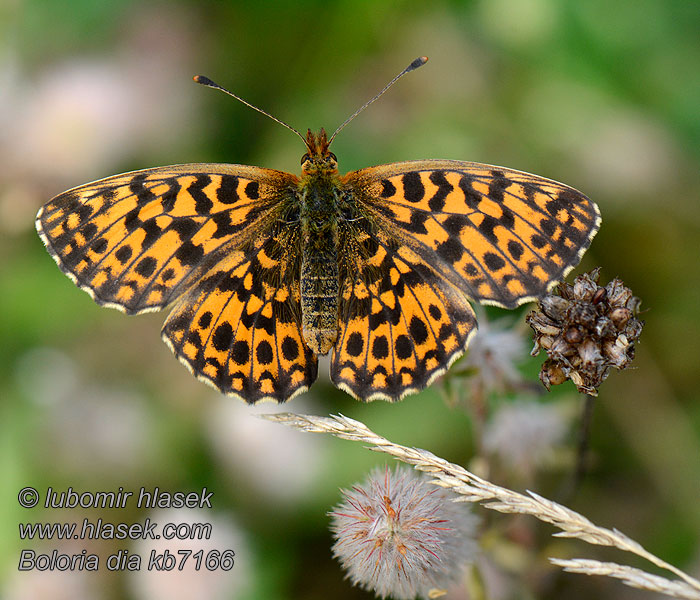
(493, 354)
(400, 536)
(81, 118)
(85, 115)
(611, 149)
(216, 582)
(524, 434)
(278, 462)
(86, 426)
(625, 154)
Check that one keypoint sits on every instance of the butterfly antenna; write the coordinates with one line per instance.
(419, 62)
(209, 83)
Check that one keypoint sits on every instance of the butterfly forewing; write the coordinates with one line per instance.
(134, 241)
(502, 236)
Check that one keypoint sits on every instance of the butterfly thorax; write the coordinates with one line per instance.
(319, 212)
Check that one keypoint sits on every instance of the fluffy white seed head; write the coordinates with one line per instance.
(399, 535)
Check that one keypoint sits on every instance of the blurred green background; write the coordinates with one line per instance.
(604, 96)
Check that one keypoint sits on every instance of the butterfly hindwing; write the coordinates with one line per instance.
(503, 236)
(401, 324)
(238, 327)
(135, 241)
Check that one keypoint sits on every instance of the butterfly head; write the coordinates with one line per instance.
(318, 158)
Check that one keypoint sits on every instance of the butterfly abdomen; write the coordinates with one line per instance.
(319, 301)
(319, 267)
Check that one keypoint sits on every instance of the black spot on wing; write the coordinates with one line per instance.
(515, 249)
(227, 192)
(152, 233)
(146, 266)
(497, 186)
(548, 227)
(138, 188)
(263, 353)
(538, 241)
(123, 254)
(240, 352)
(413, 188)
(472, 198)
(450, 250)
(99, 245)
(507, 219)
(354, 344)
(89, 231)
(185, 227)
(252, 190)
(223, 336)
(132, 220)
(487, 227)
(205, 320)
(168, 198)
(380, 347)
(419, 332)
(493, 261)
(224, 226)
(437, 202)
(189, 254)
(417, 222)
(454, 224)
(290, 348)
(388, 189)
(202, 202)
(403, 347)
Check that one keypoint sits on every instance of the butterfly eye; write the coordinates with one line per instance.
(333, 156)
(305, 158)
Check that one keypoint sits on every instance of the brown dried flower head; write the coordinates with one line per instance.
(585, 329)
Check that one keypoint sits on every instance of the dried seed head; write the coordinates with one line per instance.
(585, 329)
(401, 536)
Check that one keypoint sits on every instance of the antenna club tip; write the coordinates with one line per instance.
(203, 80)
(419, 62)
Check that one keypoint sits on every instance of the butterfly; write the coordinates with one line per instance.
(266, 270)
